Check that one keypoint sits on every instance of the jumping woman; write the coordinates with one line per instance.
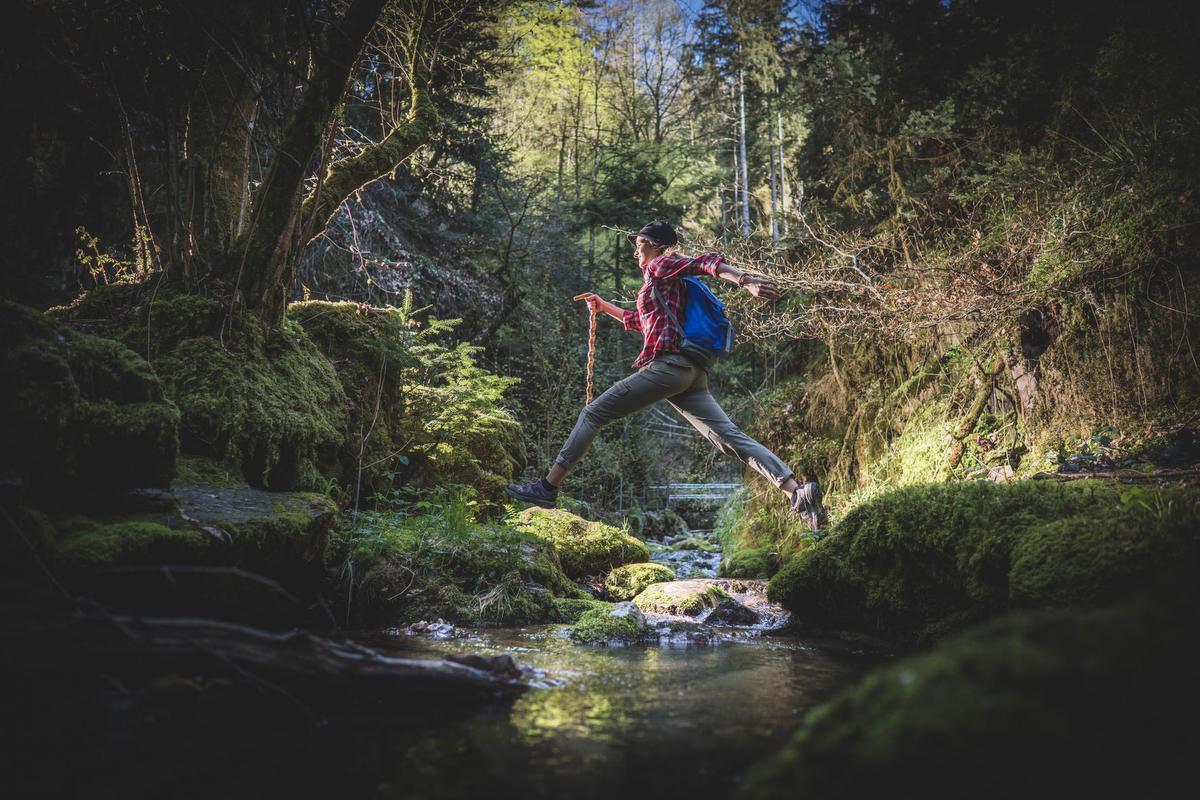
(666, 373)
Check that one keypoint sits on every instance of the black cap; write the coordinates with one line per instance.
(659, 232)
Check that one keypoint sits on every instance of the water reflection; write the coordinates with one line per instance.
(634, 721)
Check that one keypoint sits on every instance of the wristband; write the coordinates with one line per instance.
(741, 281)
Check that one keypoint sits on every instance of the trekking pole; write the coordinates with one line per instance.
(591, 362)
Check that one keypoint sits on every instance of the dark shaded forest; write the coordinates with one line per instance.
(288, 305)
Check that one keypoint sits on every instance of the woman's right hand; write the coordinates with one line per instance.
(596, 304)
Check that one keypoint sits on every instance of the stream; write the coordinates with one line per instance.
(648, 720)
(638, 721)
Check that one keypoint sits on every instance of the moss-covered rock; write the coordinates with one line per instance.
(657, 524)
(86, 543)
(583, 547)
(404, 568)
(263, 399)
(570, 609)
(420, 411)
(625, 583)
(928, 559)
(697, 543)
(688, 598)
(266, 401)
(1047, 704)
(80, 413)
(282, 535)
(750, 562)
(622, 624)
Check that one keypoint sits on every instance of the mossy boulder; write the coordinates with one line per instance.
(697, 543)
(583, 547)
(688, 598)
(80, 413)
(750, 562)
(264, 399)
(279, 535)
(421, 412)
(87, 543)
(656, 524)
(925, 560)
(625, 583)
(624, 623)
(570, 609)
(1059, 703)
(404, 569)
(282, 535)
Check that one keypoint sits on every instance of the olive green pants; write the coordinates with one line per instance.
(684, 385)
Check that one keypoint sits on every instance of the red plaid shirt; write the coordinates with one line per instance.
(660, 332)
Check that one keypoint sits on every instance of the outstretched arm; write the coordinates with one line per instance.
(754, 284)
(669, 267)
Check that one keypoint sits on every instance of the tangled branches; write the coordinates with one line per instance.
(883, 286)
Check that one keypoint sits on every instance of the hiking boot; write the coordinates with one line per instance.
(806, 503)
(535, 491)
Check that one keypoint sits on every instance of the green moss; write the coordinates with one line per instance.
(274, 410)
(600, 626)
(86, 543)
(128, 444)
(583, 547)
(688, 598)
(751, 562)
(696, 543)
(1087, 703)
(625, 583)
(927, 559)
(206, 470)
(405, 568)
(80, 413)
(570, 609)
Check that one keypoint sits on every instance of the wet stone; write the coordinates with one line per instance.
(731, 612)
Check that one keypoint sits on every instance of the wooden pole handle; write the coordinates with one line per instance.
(582, 296)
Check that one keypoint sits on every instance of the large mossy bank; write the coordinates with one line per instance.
(926, 560)
(342, 395)
(1075, 677)
(1048, 704)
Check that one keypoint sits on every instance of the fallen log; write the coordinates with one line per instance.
(313, 671)
(1122, 475)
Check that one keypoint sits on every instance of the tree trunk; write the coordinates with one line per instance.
(782, 173)
(742, 147)
(771, 153)
(217, 144)
(262, 260)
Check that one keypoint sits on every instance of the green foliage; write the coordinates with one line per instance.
(421, 410)
(104, 267)
(927, 559)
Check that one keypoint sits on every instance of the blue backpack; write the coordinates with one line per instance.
(707, 332)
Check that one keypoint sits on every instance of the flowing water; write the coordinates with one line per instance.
(650, 720)
(662, 720)
(618, 722)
